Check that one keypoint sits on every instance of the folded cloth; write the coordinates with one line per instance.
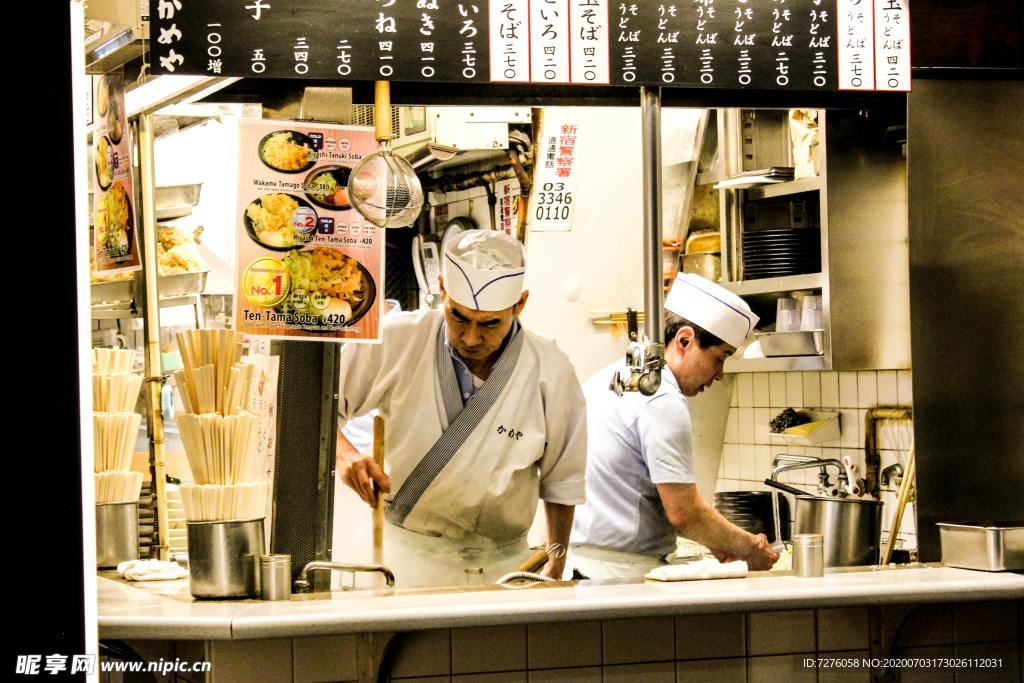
(708, 568)
(151, 570)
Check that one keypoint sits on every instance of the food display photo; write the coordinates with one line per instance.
(115, 248)
(309, 266)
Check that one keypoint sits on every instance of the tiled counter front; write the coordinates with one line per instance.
(744, 648)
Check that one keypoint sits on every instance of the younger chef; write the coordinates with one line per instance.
(641, 490)
(481, 418)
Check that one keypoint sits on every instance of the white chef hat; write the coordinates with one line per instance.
(484, 270)
(711, 306)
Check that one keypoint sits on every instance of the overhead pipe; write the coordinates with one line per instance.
(654, 319)
(646, 356)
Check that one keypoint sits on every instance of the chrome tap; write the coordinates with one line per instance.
(304, 583)
(644, 360)
(786, 463)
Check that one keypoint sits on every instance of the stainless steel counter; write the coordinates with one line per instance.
(164, 612)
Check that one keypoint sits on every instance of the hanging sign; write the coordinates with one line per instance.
(506, 211)
(554, 183)
(115, 241)
(736, 44)
(308, 264)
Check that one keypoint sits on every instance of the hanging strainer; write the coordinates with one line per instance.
(383, 186)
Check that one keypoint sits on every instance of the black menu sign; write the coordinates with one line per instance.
(736, 44)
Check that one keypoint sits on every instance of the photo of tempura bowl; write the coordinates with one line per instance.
(287, 151)
(280, 221)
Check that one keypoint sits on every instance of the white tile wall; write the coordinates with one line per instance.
(777, 389)
(758, 397)
(829, 388)
(761, 390)
(812, 389)
(794, 389)
(887, 388)
(848, 390)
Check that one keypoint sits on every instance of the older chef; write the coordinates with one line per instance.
(641, 490)
(482, 418)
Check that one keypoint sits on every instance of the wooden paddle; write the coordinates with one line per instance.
(378, 509)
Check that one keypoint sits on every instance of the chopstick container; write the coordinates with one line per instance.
(117, 533)
(224, 558)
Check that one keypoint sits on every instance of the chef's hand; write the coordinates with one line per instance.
(360, 476)
(761, 556)
(724, 556)
(554, 568)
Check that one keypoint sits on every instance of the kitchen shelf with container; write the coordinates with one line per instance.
(811, 213)
(182, 272)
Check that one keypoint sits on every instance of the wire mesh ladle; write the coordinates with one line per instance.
(383, 186)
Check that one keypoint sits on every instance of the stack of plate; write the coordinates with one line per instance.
(752, 511)
(777, 253)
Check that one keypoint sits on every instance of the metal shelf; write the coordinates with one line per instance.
(782, 364)
(771, 285)
(785, 189)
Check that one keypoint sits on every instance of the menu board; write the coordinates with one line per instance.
(308, 264)
(115, 238)
(737, 44)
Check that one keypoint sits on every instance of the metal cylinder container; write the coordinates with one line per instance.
(808, 555)
(851, 527)
(117, 533)
(224, 558)
(276, 577)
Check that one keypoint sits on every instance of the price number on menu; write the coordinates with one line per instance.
(553, 202)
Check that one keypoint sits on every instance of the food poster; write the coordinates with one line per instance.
(115, 240)
(309, 266)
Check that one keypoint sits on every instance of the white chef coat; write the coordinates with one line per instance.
(635, 442)
(531, 444)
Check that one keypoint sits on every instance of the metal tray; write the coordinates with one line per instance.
(112, 292)
(172, 201)
(988, 546)
(182, 284)
(774, 344)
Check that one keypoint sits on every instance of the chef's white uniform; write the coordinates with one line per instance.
(477, 510)
(636, 442)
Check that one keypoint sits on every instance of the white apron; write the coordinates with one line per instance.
(600, 563)
(419, 560)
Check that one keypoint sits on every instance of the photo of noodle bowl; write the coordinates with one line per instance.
(280, 221)
(102, 96)
(328, 289)
(287, 151)
(114, 222)
(327, 186)
(114, 120)
(104, 169)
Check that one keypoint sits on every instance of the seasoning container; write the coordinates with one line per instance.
(275, 577)
(808, 555)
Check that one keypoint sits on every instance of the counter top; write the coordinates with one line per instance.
(165, 611)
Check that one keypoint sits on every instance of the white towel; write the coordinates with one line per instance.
(151, 570)
(708, 568)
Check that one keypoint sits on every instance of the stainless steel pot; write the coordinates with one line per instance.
(851, 527)
(224, 557)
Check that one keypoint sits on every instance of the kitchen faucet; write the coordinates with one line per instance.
(786, 463)
(304, 583)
